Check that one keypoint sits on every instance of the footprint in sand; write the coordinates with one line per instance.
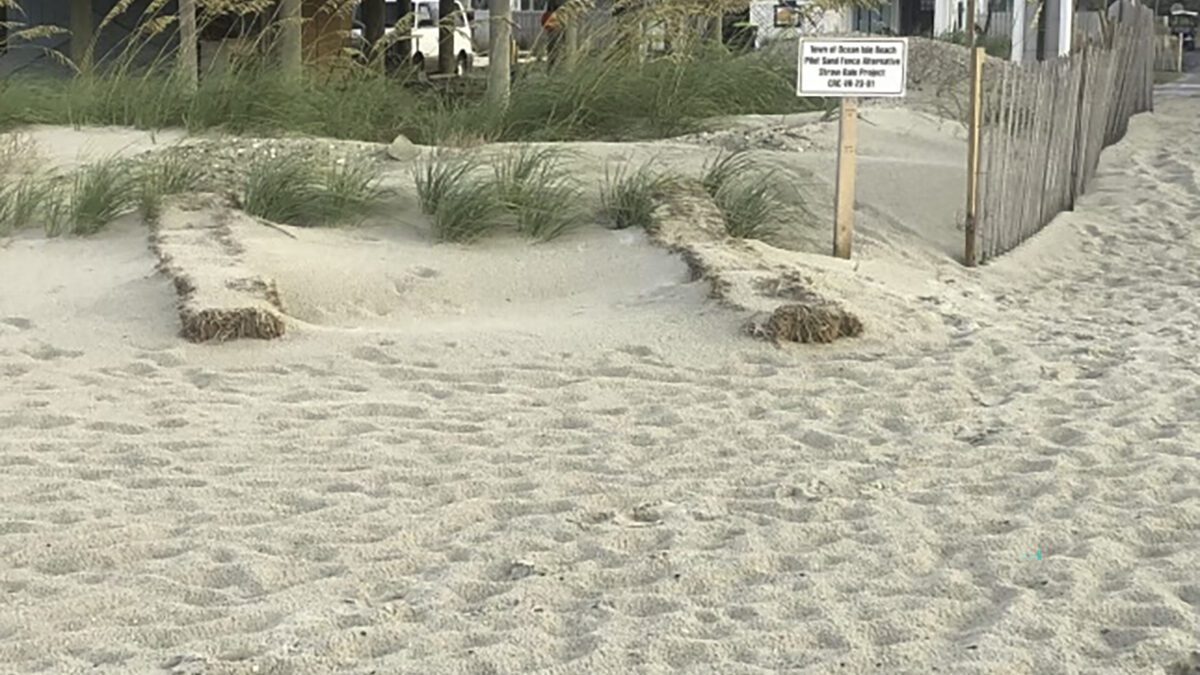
(17, 322)
(50, 353)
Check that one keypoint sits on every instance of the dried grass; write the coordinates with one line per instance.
(808, 323)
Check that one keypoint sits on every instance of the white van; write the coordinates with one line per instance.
(425, 43)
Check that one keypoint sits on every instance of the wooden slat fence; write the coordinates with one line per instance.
(1044, 125)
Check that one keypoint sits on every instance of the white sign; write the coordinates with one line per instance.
(864, 67)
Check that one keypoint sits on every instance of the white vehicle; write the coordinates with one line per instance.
(425, 43)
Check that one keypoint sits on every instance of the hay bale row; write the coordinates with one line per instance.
(220, 299)
(742, 277)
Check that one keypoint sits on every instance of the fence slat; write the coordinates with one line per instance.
(1046, 124)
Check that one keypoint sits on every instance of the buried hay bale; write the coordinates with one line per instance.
(219, 297)
(822, 323)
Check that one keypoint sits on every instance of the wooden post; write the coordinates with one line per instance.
(446, 29)
(1179, 61)
(843, 226)
(82, 34)
(500, 58)
(971, 254)
(291, 23)
(189, 59)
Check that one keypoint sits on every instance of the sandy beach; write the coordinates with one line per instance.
(568, 458)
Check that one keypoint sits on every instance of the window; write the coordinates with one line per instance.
(425, 15)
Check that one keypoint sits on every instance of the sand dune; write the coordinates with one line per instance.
(566, 459)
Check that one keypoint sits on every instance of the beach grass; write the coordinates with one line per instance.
(749, 209)
(609, 93)
(630, 197)
(100, 192)
(294, 189)
(163, 176)
(535, 187)
(468, 210)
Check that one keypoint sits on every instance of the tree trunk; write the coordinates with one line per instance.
(500, 52)
(81, 34)
(189, 60)
(446, 26)
(402, 49)
(373, 24)
(291, 22)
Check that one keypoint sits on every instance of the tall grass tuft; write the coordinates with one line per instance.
(468, 210)
(283, 189)
(630, 199)
(747, 194)
(161, 177)
(725, 168)
(24, 200)
(351, 189)
(436, 176)
(289, 188)
(24, 191)
(100, 193)
(535, 187)
(750, 209)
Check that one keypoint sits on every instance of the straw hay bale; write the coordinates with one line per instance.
(818, 323)
(747, 275)
(219, 297)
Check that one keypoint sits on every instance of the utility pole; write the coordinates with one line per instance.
(500, 52)
(189, 62)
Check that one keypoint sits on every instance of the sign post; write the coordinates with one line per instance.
(849, 68)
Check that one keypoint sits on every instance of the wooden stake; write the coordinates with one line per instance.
(843, 225)
(971, 254)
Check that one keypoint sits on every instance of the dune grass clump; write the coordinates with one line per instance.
(746, 195)
(160, 178)
(290, 188)
(608, 96)
(724, 169)
(464, 202)
(351, 189)
(26, 200)
(535, 188)
(99, 193)
(631, 198)
(24, 190)
(437, 176)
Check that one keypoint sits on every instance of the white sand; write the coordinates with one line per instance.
(564, 459)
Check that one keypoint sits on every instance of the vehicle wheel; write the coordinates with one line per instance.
(464, 64)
